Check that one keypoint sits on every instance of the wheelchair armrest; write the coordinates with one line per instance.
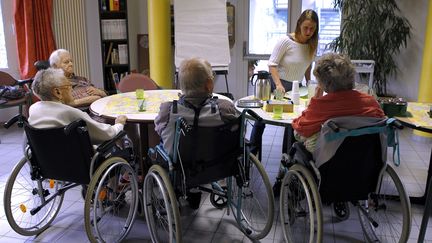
(110, 143)
(73, 125)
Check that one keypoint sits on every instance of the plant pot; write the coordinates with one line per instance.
(393, 106)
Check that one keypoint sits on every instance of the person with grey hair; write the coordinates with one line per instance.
(196, 104)
(55, 92)
(335, 74)
(196, 83)
(83, 91)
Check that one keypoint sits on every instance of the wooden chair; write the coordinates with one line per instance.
(135, 81)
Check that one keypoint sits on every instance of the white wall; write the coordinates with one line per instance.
(409, 61)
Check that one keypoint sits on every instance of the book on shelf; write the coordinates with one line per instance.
(123, 53)
(108, 55)
(114, 29)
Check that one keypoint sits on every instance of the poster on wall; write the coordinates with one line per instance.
(201, 30)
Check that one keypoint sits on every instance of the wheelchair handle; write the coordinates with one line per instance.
(333, 126)
(397, 124)
(23, 82)
(72, 126)
(253, 114)
(10, 122)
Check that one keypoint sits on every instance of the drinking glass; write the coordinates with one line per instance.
(139, 94)
(277, 112)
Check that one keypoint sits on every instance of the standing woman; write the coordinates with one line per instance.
(291, 59)
(293, 54)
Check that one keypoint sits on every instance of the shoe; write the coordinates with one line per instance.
(277, 188)
(194, 199)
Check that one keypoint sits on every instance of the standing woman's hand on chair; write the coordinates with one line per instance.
(121, 119)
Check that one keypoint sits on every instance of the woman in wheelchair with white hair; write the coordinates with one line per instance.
(335, 74)
(55, 92)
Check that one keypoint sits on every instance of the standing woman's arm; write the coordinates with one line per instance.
(308, 73)
(276, 79)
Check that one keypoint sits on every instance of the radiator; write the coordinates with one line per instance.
(69, 26)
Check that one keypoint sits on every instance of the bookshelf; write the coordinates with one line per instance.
(114, 41)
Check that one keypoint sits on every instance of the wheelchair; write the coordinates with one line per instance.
(59, 159)
(203, 156)
(357, 172)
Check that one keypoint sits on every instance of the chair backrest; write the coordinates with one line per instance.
(7, 80)
(62, 153)
(353, 172)
(209, 153)
(135, 81)
(41, 65)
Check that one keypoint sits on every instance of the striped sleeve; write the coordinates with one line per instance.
(279, 51)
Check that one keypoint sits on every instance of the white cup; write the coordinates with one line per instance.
(295, 86)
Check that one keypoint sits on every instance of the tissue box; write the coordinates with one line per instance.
(287, 105)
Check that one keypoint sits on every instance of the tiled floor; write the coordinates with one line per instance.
(208, 224)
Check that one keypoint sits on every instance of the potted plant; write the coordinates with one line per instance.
(372, 30)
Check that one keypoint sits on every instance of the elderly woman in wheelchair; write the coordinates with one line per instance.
(60, 155)
(203, 143)
(341, 157)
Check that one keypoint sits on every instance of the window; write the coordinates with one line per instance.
(268, 21)
(329, 22)
(3, 54)
(8, 50)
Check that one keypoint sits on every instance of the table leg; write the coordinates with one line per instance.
(426, 213)
(422, 199)
(148, 139)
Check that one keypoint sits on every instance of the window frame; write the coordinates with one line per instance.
(7, 8)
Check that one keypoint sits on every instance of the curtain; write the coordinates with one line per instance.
(35, 38)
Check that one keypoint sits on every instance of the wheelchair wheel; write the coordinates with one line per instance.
(300, 206)
(217, 200)
(252, 204)
(160, 205)
(111, 201)
(22, 195)
(386, 215)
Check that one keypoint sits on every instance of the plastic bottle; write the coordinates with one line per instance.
(295, 92)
